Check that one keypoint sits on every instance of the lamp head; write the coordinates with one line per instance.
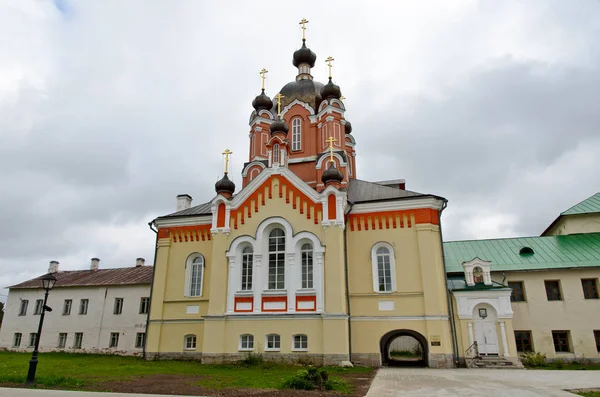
(48, 281)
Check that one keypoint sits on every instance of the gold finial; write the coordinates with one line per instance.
(342, 98)
(263, 76)
(227, 153)
(303, 22)
(331, 140)
(278, 97)
(329, 65)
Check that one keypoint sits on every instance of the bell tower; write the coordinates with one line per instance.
(305, 130)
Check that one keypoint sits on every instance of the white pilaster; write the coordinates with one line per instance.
(231, 286)
(257, 282)
(504, 340)
(291, 282)
(471, 337)
(319, 272)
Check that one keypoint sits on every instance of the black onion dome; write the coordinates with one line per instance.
(332, 174)
(279, 126)
(225, 185)
(331, 90)
(262, 101)
(348, 127)
(306, 91)
(304, 55)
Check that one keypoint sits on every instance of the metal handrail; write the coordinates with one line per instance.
(471, 354)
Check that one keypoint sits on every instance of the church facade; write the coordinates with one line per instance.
(305, 262)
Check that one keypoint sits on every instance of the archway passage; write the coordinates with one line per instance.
(404, 347)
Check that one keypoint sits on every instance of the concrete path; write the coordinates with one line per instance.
(8, 392)
(392, 382)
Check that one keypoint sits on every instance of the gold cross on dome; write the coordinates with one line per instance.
(342, 98)
(227, 153)
(331, 140)
(303, 22)
(263, 76)
(329, 65)
(278, 97)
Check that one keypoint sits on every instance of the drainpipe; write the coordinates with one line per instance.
(151, 289)
(347, 281)
(448, 295)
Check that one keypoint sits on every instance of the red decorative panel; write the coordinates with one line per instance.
(303, 303)
(243, 299)
(274, 304)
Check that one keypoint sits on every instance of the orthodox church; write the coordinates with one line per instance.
(308, 263)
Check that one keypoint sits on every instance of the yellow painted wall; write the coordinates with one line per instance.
(574, 313)
(570, 224)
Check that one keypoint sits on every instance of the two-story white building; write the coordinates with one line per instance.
(93, 311)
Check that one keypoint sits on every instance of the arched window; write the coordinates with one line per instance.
(477, 275)
(296, 134)
(247, 259)
(277, 259)
(384, 272)
(276, 153)
(189, 342)
(194, 275)
(307, 266)
(273, 342)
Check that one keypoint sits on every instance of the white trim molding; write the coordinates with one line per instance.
(485, 267)
(398, 204)
(499, 299)
(375, 268)
(297, 102)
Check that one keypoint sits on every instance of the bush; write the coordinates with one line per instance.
(531, 359)
(559, 363)
(309, 379)
(253, 360)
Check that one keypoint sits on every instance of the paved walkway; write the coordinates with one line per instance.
(8, 392)
(392, 382)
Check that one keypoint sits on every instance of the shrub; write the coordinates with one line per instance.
(253, 359)
(559, 363)
(531, 359)
(309, 379)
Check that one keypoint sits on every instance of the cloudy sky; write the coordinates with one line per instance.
(109, 109)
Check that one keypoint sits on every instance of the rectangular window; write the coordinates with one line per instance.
(62, 340)
(246, 342)
(39, 305)
(590, 288)
(307, 266)
(144, 305)
(67, 307)
(523, 339)
(190, 342)
(83, 306)
(196, 277)
(18, 336)
(518, 291)
(553, 290)
(384, 269)
(561, 341)
(114, 339)
(296, 134)
(597, 338)
(118, 308)
(78, 341)
(32, 339)
(247, 258)
(277, 259)
(23, 307)
(273, 342)
(140, 340)
(300, 342)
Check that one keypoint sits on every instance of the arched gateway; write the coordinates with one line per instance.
(386, 341)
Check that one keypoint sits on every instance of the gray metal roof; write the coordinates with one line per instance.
(100, 277)
(202, 209)
(362, 191)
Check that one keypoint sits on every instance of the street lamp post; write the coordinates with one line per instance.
(48, 282)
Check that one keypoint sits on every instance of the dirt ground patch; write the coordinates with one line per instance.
(188, 385)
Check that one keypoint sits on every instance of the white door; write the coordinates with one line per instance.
(486, 336)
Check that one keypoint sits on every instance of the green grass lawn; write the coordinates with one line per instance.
(75, 371)
(568, 367)
(589, 393)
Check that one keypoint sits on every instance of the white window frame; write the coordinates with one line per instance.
(245, 284)
(39, 306)
(17, 337)
(310, 281)
(144, 305)
(189, 342)
(23, 307)
(140, 340)
(62, 340)
(276, 153)
(32, 339)
(302, 338)
(118, 307)
(375, 268)
(248, 341)
(84, 304)
(114, 336)
(296, 134)
(190, 263)
(67, 306)
(276, 341)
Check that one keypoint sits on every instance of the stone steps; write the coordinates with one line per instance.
(495, 363)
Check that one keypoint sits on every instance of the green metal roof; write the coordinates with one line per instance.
(550, 252)
(587, 206)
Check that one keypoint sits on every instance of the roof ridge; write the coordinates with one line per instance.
(584, 201)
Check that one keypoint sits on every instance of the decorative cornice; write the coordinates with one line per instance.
(401, 204)
(297, 102)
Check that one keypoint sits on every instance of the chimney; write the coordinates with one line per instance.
(53, 267)
(139, 262)
(184, 201)
(95, 264)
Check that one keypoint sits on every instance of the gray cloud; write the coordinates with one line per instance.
(110, 109)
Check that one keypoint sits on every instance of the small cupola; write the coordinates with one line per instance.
(331, 90)
(262, 101)
(279, 126)
(304, 59)
(348, 127)
(225, 186)
(332, 175)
